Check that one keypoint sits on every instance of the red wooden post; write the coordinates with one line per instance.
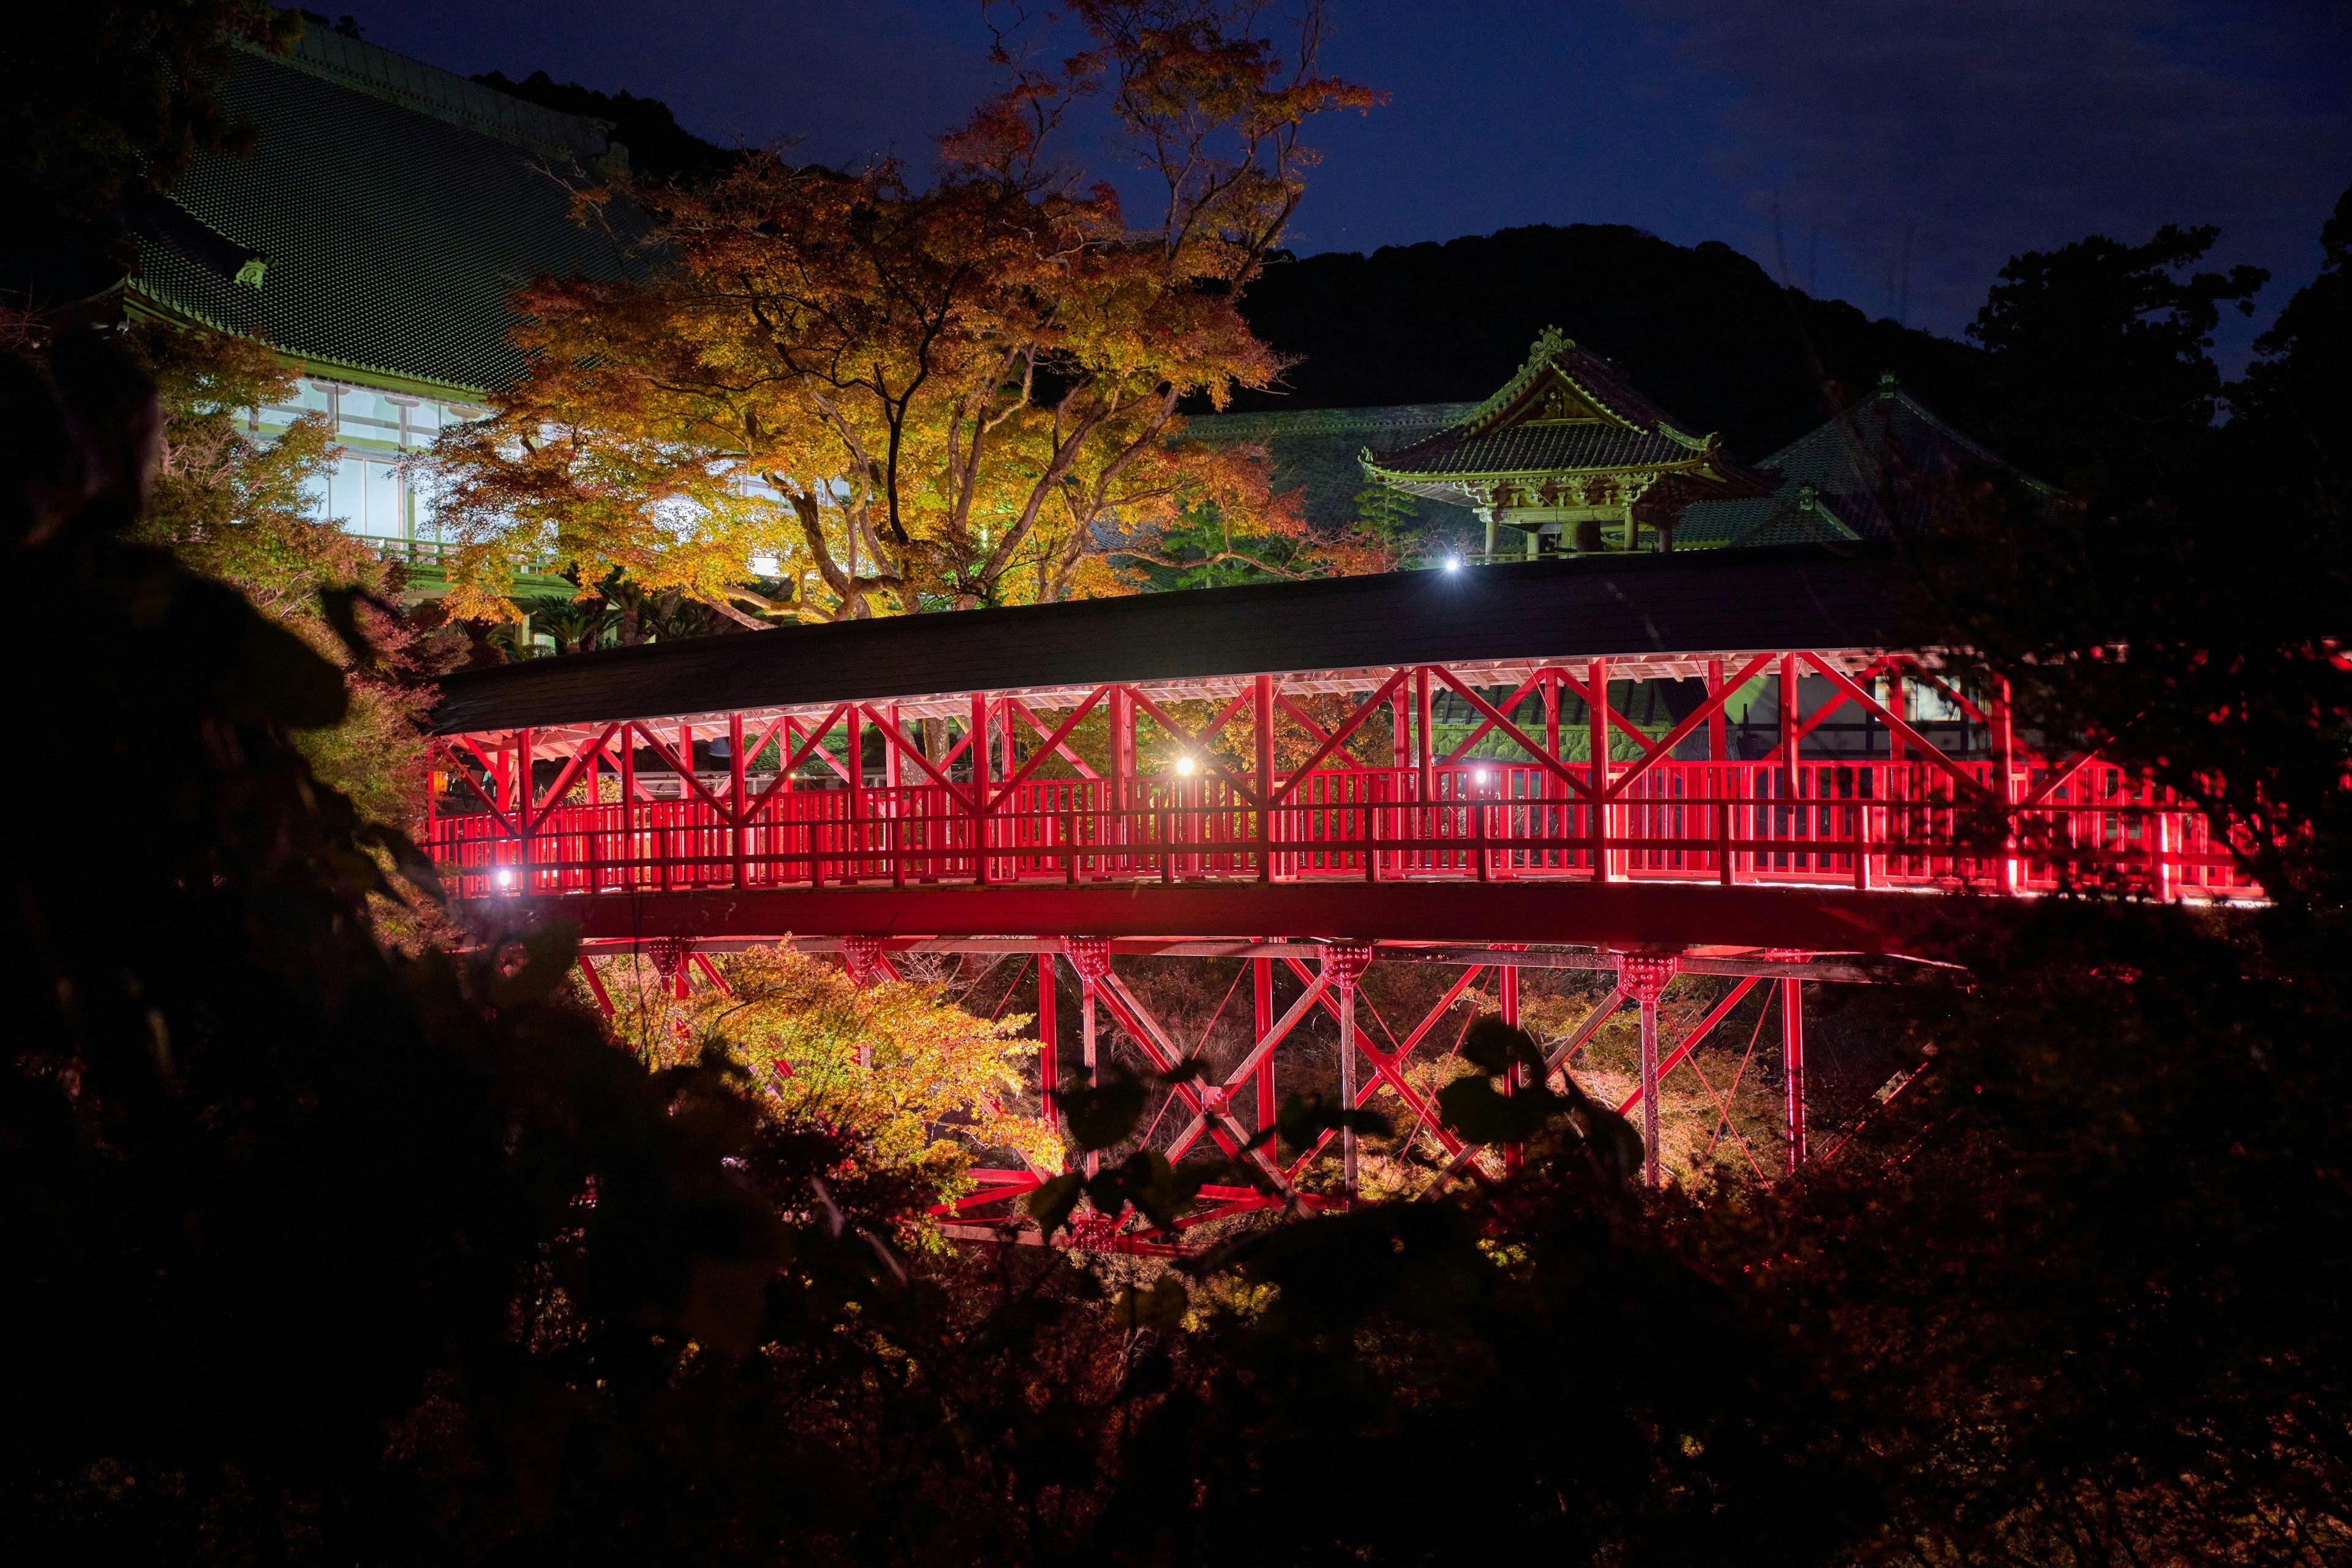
(1261, 1017)
(688, 838)
(1551, 714)
(1719, 771)
(737, 826)
(633, 875)
(592, 817)
(855, 726)
(976, 744)
(1792, 698)
(1422, 820)
(526, 815)
(1596, 686)
(1262, 715)
(1122, 768)
(2004, 784)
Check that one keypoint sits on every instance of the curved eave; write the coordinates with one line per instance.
(139, 302)
(1403, 477)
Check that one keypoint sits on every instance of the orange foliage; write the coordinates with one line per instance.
(916, 398)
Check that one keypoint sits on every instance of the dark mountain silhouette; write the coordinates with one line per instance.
(658, 145)
(1701, 329)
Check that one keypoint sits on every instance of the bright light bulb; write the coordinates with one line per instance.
(1482, 776)
(1453, 564)
(505, 879)
(1184, 766)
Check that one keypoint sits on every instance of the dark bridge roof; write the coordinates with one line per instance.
(1637, 606)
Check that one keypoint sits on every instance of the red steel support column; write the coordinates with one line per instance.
(1049, 1039)
(857, 742)
(1644, 977)
(1506, 985)
(1090, 956)
(1792, 1065)
(1262, 998)
(1345, 962)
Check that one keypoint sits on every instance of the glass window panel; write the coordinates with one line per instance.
(382, 502)
(347, 502)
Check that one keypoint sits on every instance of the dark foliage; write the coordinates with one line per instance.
(2103, 378)
(660, 148)
(1701, 329)
(314, 1252)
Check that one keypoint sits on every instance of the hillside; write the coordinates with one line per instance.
(1703, 329)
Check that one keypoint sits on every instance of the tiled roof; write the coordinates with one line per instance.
(1534, 449)
(397, 207)
(1316, 450)
(1839, 480)
(1607, 425)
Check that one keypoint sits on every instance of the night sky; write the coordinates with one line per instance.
(1963, 131)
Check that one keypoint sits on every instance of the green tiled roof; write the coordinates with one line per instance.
(1535, 449)
(1316, 450)
(396, 207)
(1495, 437)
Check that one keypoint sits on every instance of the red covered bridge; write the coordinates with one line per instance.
(1717, 763)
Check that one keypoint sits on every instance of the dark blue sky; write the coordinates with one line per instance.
(1966, 130)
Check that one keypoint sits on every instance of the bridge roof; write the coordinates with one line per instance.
(1657, 614)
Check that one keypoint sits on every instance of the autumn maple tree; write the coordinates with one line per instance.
(916, 398)
(912, 1083)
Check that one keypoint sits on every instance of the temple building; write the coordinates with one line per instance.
(387, 212)
(1567, 458)
(1570, 457)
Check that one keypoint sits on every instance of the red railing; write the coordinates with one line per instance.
(1857, 824)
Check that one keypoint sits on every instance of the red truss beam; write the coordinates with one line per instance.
(1789, 850)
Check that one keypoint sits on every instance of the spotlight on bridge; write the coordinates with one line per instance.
(1453, 564)
(1482, 778)
(505, 879)
(1184, 766)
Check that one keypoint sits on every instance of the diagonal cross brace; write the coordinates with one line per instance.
(1332, 740)
(1652, 755)
(1544, 759)
(1691, 1041)
(1240, 1075)
(1385, 1065)
(1911, 737)
(1137, 1020)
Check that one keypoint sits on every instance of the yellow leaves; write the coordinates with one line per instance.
(919, 1083)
